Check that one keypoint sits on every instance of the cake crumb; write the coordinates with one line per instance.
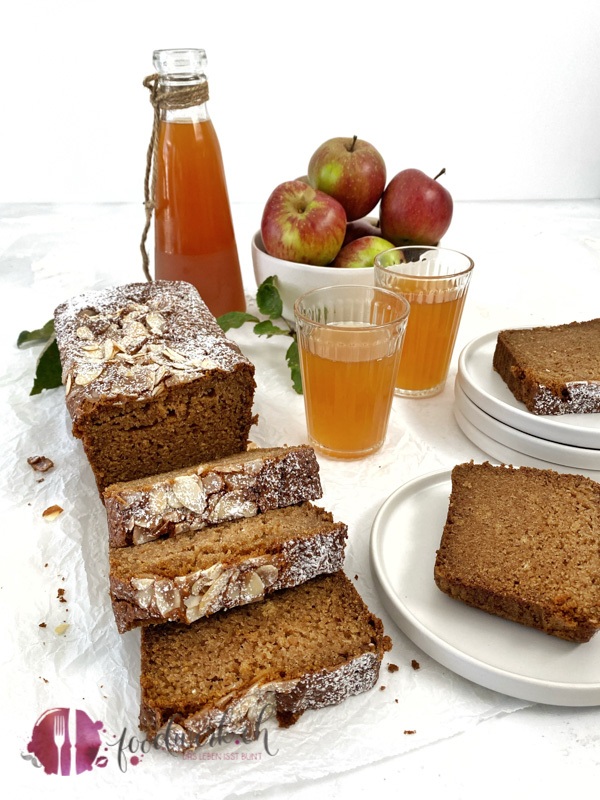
(382, 688)
(42, 625)
(52, 512)
(356, 577)
(415, 664)
(44, 679)
(61, 596)
(409, 733)
(396, 700)
(40, 463)
(393, 667)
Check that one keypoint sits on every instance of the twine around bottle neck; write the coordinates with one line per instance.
(163, 98)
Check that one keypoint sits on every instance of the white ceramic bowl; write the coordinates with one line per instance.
(294, 279)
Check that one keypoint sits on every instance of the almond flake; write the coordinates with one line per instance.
(156, 322)
(173, 355)
(190, 493)
(62, 628)
(83, 378)
(84, 333)
(52, 512)
(40, 463)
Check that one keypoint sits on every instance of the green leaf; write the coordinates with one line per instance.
(268, 298)
(292, 357)
(48, 374)
(266, 328)
(39, 335)
(234, 319)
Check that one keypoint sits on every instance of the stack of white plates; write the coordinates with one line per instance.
(494, 420)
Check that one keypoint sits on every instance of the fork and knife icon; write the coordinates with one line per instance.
(66, 735)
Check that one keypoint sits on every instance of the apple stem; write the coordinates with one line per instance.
(441, 172)
(351, 148)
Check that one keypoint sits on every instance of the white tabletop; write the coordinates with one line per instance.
(535, 263)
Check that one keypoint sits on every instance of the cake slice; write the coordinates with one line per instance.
(552, 370)
(240, 485)
(524, 544)
(152, 383)
(306, 647)
(198, 573)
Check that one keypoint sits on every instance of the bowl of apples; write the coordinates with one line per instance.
(316, 231)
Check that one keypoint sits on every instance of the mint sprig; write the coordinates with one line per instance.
(270, 305)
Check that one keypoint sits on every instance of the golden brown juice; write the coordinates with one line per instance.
(194, 234)
(348, 388)
(429, 339)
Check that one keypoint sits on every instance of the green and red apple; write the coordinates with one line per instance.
(360, 253)
(301, 224)
(352, 171)
(415, 209)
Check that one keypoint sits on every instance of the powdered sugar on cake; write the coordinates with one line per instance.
(133, 342)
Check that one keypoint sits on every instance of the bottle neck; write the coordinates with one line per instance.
(183, 98)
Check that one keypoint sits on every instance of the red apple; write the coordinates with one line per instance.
(352, 171)
(361, 252)
(358, 228)
(415, 209)
(302, 224)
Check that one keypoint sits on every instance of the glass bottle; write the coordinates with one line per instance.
(194, 235)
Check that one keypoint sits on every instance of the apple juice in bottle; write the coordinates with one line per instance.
(193, 228)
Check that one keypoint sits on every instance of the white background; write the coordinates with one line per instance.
(505, 96)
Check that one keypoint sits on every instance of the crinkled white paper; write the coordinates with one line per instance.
(46, 255)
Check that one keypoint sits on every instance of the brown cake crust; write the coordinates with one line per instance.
(305, 647)
(524, 544)
(552, 370)
(240, 485)
(196, 574)
(151, 381)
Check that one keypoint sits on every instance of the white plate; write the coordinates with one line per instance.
(555, 452)
(506, 455)
(488, 650)
(482, 384)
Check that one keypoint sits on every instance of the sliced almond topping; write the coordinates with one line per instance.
(166, 596)
(83, 378)
(156, 322)
(190, 493)
(144, 592)
(84, 333)
(252, 587)
(173, 355)
(232, 506)
(268, 573)
(68, 383)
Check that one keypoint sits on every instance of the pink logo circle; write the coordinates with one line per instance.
(66, 741)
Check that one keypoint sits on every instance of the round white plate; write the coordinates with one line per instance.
(482, 384)
(544, 449)
(506, 455)
(492, 652)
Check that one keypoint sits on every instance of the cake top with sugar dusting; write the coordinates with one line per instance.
(132, 342)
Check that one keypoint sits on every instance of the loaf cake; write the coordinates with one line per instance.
(552, 370)
(239, 485)
(152, 383)
(305, 647)
(195, 574)
(524, 544)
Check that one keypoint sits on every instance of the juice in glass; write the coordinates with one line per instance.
(194, 234)
(349, 359)
(434, 281)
